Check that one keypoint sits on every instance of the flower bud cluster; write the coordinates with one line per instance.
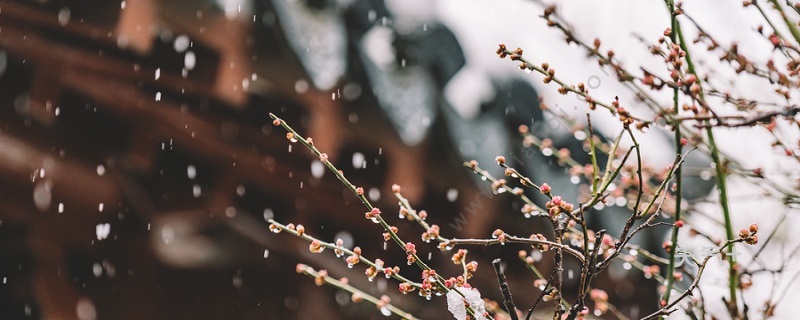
(556, 206)
(458, 257)
(431, 234)
(749, 234)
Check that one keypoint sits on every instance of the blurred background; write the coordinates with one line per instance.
(138, 164)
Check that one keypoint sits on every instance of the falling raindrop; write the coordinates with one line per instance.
(266, 253)
(181, 43)
(167, 234)
(189, 60)
(97, 269)
(191, 172)
(359, 161)
(63, 16)
(317, 169)
(101, 170)
(374, 194)
(43, 195)
(268, 214)
(452, 194)
(240, 190)
(3, 62)
(102, 231)
(100, 207)
(85, 309)
(301, 86)
(230, 212)
(197, 191)
(158, 73)
(158, 96)
(237, 280)
(60, 207)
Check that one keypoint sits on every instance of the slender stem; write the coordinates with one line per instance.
(301, 268)
(507, 300)
(789, 24)
(678, 174)
(721, 183)
(343, 250)
(593, 153)
(514, 239)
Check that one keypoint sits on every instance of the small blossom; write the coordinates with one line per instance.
(371, 272)
(607, 240)
(405, 287)
(274, 228)
(744, 233)
(320, 279)
(339, 244)
(316, 246)
(383, 302)
(667, 245)
(555, 202)
(432, 233)
(276, 122)
(410, 248)
(501, 160)
(458, 257)
(360, 191)
(323, 157)
(373, 214)
(396, 188)
(545, 188)
(471, 267)
(527, 209)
